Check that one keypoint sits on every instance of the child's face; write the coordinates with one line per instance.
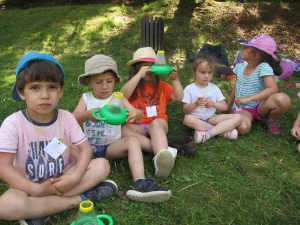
(246, 53)
(102, 84)
(148, 78)
(203, 74)
(41, 99)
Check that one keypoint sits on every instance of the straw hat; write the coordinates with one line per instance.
(143, 54)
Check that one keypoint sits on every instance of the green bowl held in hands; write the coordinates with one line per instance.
(117, 118)
(161, 69)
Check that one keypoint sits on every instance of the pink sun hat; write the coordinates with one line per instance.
(265, 43)
(146, 54)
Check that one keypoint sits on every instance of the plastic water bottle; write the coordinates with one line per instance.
(161, 58)
(86, 214)
(115, 105)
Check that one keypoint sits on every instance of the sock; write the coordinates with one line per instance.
(209, 127)
(210, 133)
(83, 198)
(140, 178)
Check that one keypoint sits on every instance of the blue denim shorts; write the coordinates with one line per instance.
(99, 151)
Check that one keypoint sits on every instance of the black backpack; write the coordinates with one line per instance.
(216, 51)
(220, 56)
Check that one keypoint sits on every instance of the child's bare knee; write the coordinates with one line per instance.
(13, 209)
(188, 120)
(101, 164)
(134, 140)
(238, 118)
(283, 100)
(243, 129)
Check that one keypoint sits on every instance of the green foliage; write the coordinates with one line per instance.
(254, 180)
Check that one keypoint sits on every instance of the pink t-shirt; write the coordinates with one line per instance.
(19, 136)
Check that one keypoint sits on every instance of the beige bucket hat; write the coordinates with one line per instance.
(98, 64)
(143, 54)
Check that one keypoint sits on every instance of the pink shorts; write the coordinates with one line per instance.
(252, 111)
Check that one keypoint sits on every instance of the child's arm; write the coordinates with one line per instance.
(134, 114)
(10, 175)
(189, 108)
(271, 88)
(231, 98)
(70, 180)
(178, 90)
(221, 106)
(81, 114)
(130, 86)
(295, 131)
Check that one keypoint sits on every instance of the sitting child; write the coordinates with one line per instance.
(295, 131)
(35, 149)
(255, 94)
(147, 92)
(202, 99)
(101, 74)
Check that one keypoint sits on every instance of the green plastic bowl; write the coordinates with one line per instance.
(100, 217)
(161, 69)
(110, 118)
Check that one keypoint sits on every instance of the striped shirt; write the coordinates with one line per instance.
(250, 85)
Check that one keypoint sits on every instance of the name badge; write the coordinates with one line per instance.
(151, 111)
(55, 148)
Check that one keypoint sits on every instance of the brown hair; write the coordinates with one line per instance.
(39, 70)
(200, 58)
(133, 70)
(265, 57)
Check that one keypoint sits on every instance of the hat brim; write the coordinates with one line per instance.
(133, 61)
(15, 95)
(82, 81)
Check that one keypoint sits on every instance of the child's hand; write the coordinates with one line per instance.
(47, 188)
(66, 182)
(134, 115)
(241, 100)
(174, 74)
(209, 104)
(143, 71)
(91, 118)
(295, 131)
(201, 101)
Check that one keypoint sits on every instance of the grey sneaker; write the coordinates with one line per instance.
(102, 190)
(163, 163)
(38, 221)
(145, 190)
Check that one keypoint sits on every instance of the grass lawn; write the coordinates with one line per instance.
(254, 180)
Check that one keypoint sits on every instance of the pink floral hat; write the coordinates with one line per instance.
(265, 43)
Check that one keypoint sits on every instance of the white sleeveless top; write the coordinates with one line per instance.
(99, 133)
